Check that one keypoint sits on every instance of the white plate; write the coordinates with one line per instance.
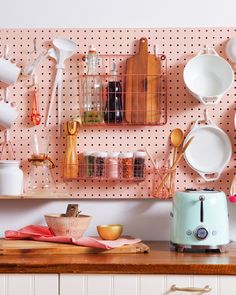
(210, 150)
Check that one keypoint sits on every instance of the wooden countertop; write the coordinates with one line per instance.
(160, 260)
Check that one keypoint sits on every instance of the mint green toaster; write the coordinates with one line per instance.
(199, 219)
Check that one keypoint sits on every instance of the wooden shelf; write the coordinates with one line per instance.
(57, 196)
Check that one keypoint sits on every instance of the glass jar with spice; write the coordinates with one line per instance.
(100, 167)
(139, 164)
(126, 165)
(89, 164)
(112, 165)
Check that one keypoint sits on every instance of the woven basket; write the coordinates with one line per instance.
(68, 226)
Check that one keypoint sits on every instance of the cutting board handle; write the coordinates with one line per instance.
(143, 46)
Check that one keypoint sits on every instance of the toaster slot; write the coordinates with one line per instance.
(201, 199)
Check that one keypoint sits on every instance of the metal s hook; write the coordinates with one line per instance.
(6, 94)
(206, 115)
(6, 51)
(155, 49)
(7, 144)
(206, 48)
(34, 80)
(35, 44)
(6, 135)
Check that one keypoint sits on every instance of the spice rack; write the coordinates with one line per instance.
(146, 105)
(97, 166)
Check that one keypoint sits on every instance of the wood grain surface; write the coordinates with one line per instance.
(160, 260)
(142, 86)
(27, 247)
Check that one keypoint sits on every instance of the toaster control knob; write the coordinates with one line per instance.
(201, 233)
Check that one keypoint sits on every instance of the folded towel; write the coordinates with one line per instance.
(43, 234)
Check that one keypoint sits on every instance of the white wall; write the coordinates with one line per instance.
(146, 219)
(116, 13)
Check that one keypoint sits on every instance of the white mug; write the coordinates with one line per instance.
(9, 72)
(8, 114)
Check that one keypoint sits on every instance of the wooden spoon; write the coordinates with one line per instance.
(176, 139)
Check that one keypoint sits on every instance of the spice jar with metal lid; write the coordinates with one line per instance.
(100, 167)
(139, 164)
(126, 165)
(89, 164)
(112, 165)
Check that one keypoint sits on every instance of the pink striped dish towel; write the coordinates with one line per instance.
(43, 234)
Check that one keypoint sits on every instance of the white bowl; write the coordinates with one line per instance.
(208, 77)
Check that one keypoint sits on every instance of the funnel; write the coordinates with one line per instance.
(65, 48)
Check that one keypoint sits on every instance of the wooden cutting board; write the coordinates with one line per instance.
(142, 86)
(27, 247)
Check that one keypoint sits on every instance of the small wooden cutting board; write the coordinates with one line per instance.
(27, 247)
(142, 86)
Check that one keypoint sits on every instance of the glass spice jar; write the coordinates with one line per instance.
(139, 164)
(126, 165)
(89, 164)
(112, 165)
(100, 167)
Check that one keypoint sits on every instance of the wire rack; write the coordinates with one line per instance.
(145, 103)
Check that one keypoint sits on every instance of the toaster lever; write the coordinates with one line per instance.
(201, 199)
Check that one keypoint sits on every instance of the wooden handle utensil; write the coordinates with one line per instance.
(174, 165)
(71, 162)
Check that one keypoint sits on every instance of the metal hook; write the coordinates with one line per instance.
(206, 115)
(206, 48)
(6, 135)
(6, 51)
(155, 49)
(35, 44)
(6, 93)
(34, 79)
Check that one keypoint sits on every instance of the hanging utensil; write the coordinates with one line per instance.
(64, 49)
(35, 114)
(31, 68)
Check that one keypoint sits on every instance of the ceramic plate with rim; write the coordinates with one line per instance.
(210, 150)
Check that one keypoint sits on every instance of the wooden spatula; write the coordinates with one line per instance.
(142, 87)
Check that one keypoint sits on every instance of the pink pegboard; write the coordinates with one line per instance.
(179, 45)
